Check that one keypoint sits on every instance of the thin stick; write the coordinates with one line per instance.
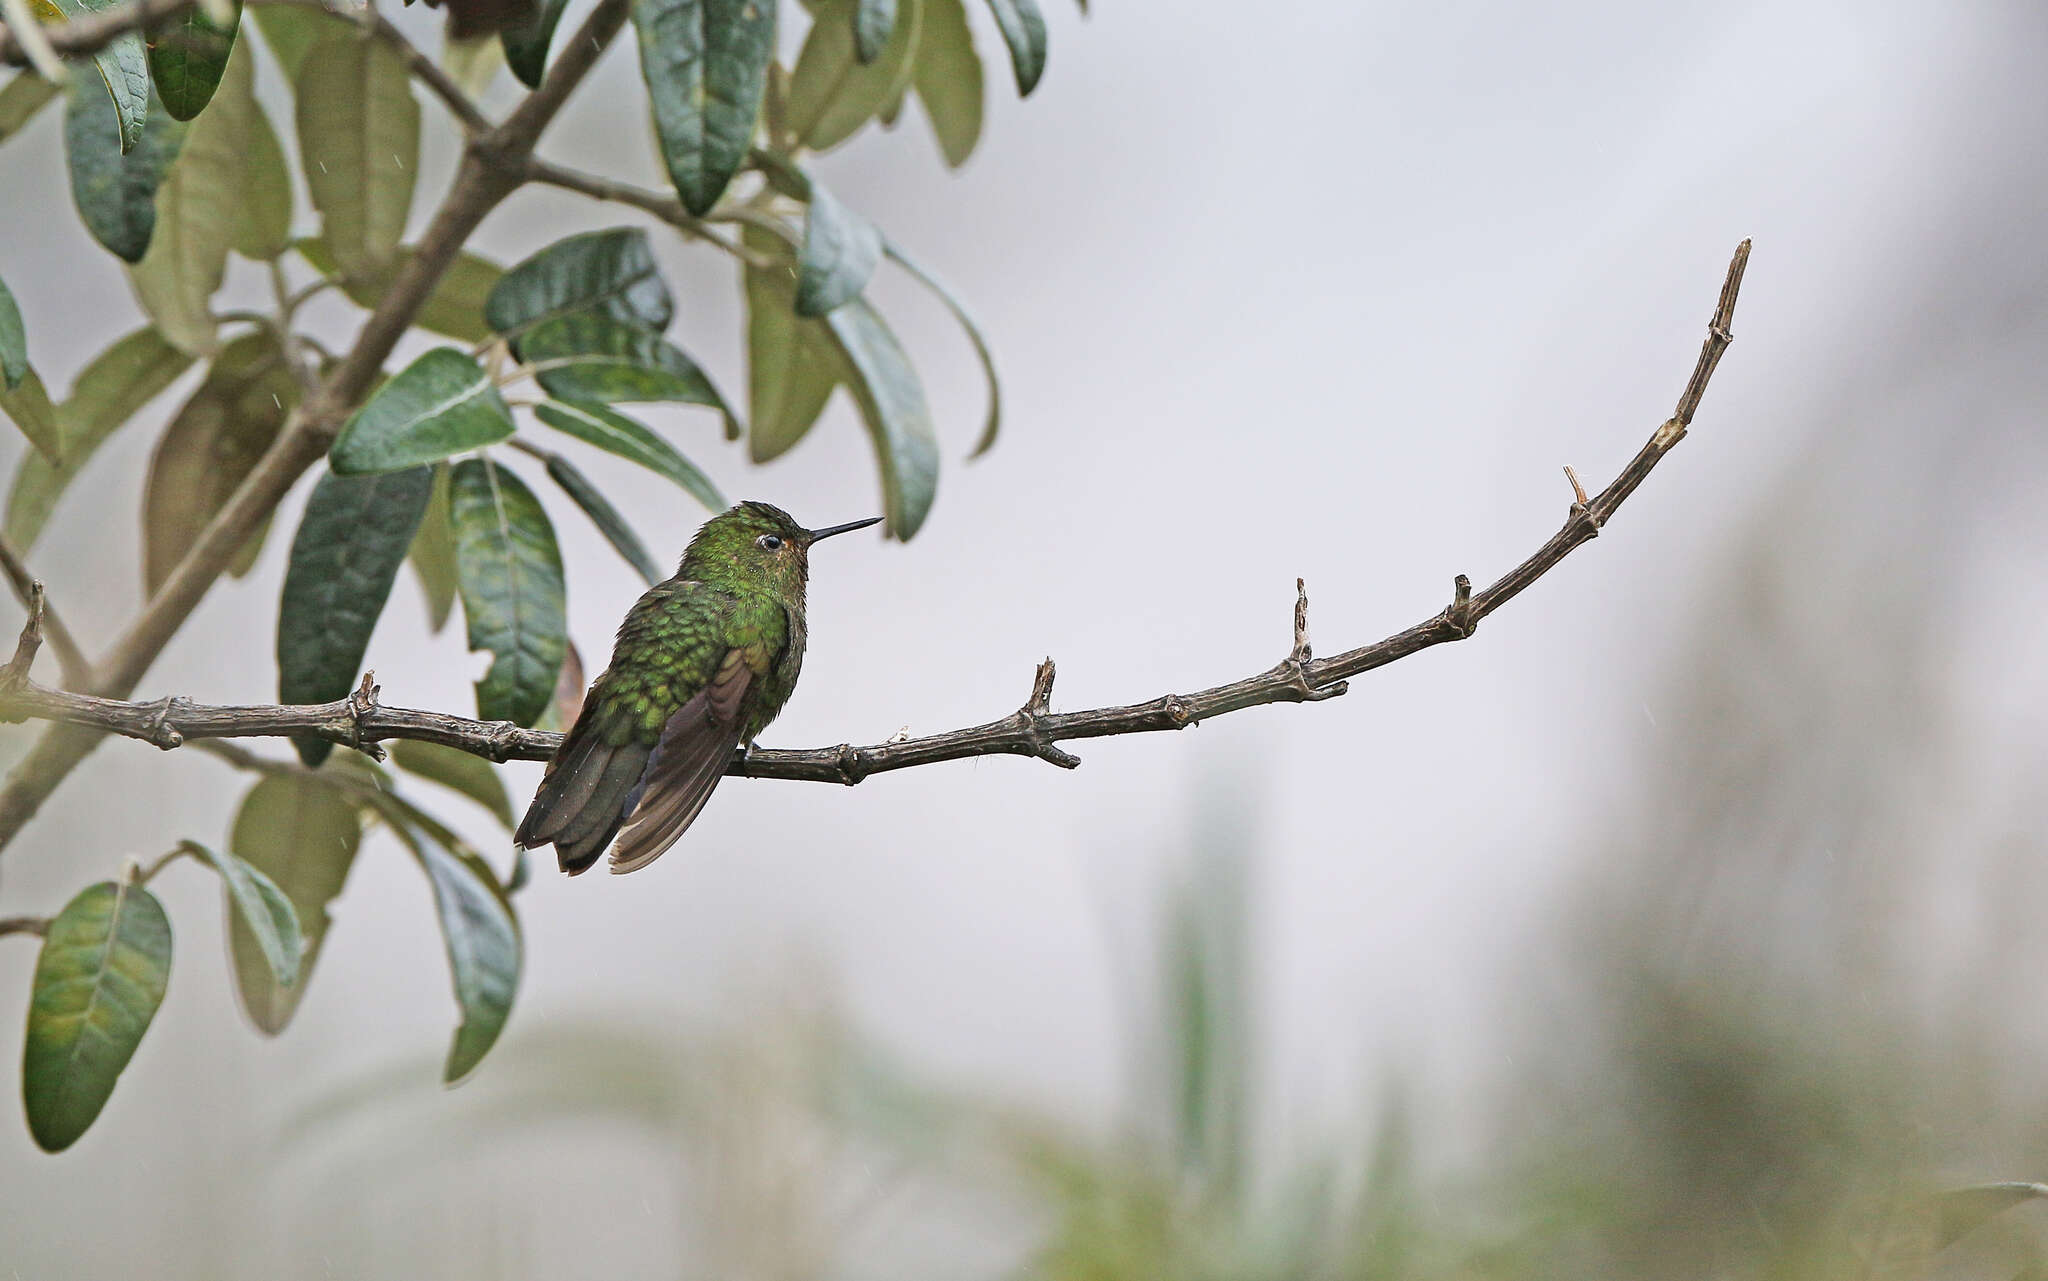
(71, 660)
(1032, 730)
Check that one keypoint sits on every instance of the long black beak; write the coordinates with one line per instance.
(847, 528)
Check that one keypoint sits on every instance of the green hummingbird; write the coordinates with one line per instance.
(702, 663)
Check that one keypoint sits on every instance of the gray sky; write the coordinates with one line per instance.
(1332, 293)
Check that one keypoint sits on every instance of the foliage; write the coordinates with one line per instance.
(178, 171)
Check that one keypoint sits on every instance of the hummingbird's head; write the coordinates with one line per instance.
(757, 542)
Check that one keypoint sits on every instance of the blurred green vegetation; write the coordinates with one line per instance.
(1734, 1053)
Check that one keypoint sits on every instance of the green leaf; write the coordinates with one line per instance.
(210, 446)
(832, 93)
(792, 363)
(349, 545)
(455, 308)
(982, 353)
(472, 63)
(1964, 1210)
(453, 768)
(25, 96)
(197, 207)
(108, 392)
(263, 909)
(114, 186)
(873, 20)
(124, 71)
(186, 58)
(359, 143)
(526, 47)
(611, 273)
(510, 573)
(134, 370)
(439, 405)
(706, 67)
(589, 357)
(1023, 29)
(291, 31)
(433, 554)
(841, 251)
(263, 227)
(300, 833)
(615, 433)
(30, 408)
(484, 949)
(13, 342)
(605, 516)
(98, 983)
(948, 79)
(892, 404)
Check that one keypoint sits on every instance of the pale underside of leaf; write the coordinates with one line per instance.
(948, 79)
(359, 132)
(109, 392)
(197, 209)
(300, 832)
(832, 92)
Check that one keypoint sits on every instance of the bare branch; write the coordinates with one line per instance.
(1032, 730)
(71, 660)
(39, 926)
(15, 674)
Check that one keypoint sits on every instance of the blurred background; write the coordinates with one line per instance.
(1685, 922)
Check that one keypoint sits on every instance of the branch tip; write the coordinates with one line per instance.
(1041, 689)
(1302, 651)
(15, 674)
(1459, 615)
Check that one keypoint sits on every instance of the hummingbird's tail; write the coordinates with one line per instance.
(588, 791)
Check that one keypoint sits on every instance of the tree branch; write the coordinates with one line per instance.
(665, 207)
(71, 660)
(493, 167)
(96, 31)
(90, 34)
(1032, 730)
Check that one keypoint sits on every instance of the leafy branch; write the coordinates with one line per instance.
(487, 175)
(1033, 730)
(92, 32)
(703, 63)
(174, 166)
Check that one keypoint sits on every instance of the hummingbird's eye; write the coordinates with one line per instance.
(768, 543)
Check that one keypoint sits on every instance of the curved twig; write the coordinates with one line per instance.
(1032, 730)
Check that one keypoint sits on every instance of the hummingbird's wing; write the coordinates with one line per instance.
(696, 745)
(581, 802)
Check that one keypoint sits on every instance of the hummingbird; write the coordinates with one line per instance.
(702, 663)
